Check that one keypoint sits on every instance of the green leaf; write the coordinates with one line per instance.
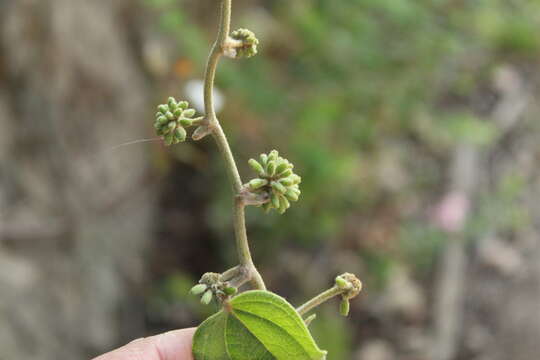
(256, 325)
(209, 339)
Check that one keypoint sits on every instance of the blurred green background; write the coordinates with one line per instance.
(414, 125)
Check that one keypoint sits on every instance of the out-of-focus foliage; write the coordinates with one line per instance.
(338, 86)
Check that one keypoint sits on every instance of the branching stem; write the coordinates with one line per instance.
(244, 254)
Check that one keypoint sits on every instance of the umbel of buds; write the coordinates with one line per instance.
(241, 44)
(351, 287)
(276, 180)
(211, 286)
(172, 119)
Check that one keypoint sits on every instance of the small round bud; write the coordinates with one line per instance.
(273, 155)
(291, 195)
(230, 290)
(344, 307)
(163, 109)
(286, 173)
(275, 200)
(283, 204)
(296, 179)
(170, 115)
(278, 187)
(186, 122)
(189, 113)
(162, 119)
(172, 104)
(207, 297)
(342, 283)
(288, 181)
(257, 183)
(271, 168)
(198, 289)
(282, 168)
(256, 166)
(180, 134)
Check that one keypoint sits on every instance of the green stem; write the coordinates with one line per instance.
(244, 254)
(319, 299)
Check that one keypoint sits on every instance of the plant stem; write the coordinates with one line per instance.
(319, 299)
(244, 255)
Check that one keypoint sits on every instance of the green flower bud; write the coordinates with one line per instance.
(257, 183)
(172, 104)
(177, 113)
(344, 307)
(271, 167)
(280, 183)
(198, 289)
(163, 120)
(291, 195)
(273, 155)
(283, 204)
(180, 134)
(186, 122)
(183, 105)
(169, 139)
(288, 181)
(230, 290)
(207, 297)
(163, 109)
(189, 113)
(286, 173)
(256, 166)
(296, 179)
(170, 115)
(282, 167)
(278, 187)
(274, 198)
(342, 283)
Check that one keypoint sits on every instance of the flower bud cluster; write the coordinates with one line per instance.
(276, 180)
(351, 287)
(242, 44)
(172, 119)
(211, 286)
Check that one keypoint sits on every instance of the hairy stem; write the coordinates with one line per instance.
(244, 255)
(320, 299)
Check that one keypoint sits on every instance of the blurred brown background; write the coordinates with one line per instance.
(414, 125)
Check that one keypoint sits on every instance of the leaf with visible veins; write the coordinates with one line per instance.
(259, 326)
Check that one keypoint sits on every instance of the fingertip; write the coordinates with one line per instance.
(172, 345)
(175, 345)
